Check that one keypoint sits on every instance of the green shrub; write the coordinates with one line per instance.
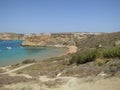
(83, 57)
(73, 59)
(100, 64)
(112, 53)
(99, 53)
(86, 57)
(28, 61)
(91, 55)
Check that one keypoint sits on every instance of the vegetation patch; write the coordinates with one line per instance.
(1, 70)
(112, 53)
(5, 79)
(92, 54)
(28, 61)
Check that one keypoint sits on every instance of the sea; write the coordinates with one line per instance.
(11, 52)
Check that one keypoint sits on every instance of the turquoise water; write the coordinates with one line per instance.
(11, 52)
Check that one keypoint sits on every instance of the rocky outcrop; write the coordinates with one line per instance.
(11, 36)
(54, 39)
(117, 43)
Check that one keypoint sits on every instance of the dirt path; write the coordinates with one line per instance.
(100, 84)
(68, 83)
(71, 49)
(16, 69)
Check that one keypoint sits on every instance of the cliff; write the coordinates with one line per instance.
(11, 36)
(54, 39)
(68, 40)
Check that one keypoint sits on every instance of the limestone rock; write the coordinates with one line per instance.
(11, 36)
(117, 42)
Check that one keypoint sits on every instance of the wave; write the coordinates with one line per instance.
(21, 47)
(9, 47)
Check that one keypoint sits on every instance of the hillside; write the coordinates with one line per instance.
(11, 36)
(105, 40)
(84, 70)
(54, 39)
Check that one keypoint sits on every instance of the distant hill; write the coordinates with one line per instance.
(11, 36)
(104, 40)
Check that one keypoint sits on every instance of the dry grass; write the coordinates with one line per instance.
(6, 79)
(106, 40)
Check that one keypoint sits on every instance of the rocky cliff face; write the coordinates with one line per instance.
(54, 39)
(11, 36)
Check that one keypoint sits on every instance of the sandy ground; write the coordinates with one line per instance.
(102, 84)
(72, 83)
(62, 83)
(11, 72)
(71, 49)
(99, 82)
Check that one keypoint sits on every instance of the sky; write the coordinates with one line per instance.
(48, 16)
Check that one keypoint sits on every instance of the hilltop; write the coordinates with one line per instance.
(104, 39)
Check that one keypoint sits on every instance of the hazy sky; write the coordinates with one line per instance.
(35, 16)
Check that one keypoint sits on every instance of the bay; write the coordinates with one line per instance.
(12, 52)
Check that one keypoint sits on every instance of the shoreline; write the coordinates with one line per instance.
(71, 48)
(58, 80)
(68, 50)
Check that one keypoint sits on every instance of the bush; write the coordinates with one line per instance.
(28, 61)
(112, 53)
(86, 57)
(91, 55)
(73, 59)
(83, 57)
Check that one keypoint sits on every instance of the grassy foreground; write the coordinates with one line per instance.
(91, 55)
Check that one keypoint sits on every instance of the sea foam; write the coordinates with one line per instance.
(9, 48)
